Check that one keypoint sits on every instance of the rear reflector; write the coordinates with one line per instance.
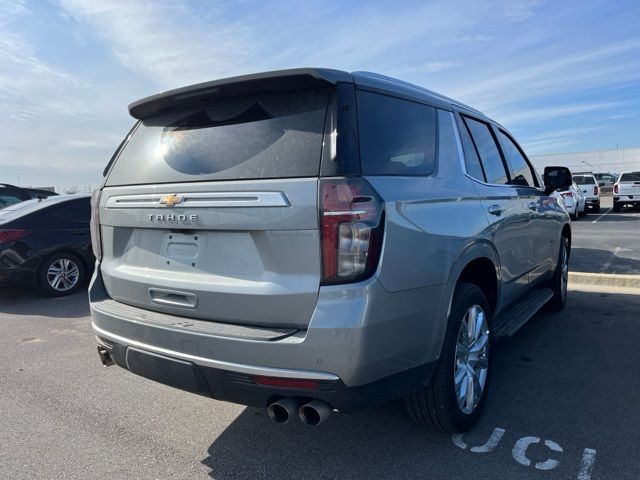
(7, 236)
(286, 382)
(351, 222)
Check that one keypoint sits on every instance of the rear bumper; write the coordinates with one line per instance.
(363, 346)
(635, 199)
(233, 386)
(17, 277)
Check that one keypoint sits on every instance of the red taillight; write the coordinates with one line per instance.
(96, 241)
(7, 236)
(595, 190)
(286, 382)
(567, 194)
(351, 223)
(615, 188)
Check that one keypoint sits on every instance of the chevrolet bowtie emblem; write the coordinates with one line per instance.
(171, 200)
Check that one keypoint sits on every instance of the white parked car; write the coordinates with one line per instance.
(588, 185)
(626, 191)
(574, 201)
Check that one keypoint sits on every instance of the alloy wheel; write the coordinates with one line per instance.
(471, 363)
(63, 274)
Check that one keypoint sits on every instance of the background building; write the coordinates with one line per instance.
(597, 161)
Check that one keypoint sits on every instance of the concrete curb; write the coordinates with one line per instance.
(604, 282)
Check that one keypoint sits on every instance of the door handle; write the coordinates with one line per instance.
(533, 206)
(496, 210)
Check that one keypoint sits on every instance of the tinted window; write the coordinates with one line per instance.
(397, 137)
(260, 136)
(77, 213)
(630, 177)
(471, 159)
(488, 150)
(447, 144)
(584, 179)
(521, 172)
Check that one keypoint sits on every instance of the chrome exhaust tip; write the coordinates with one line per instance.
(105, 358)
(315, 412)
(282, 410)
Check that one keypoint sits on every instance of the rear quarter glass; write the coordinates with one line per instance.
(272, 135)
(397, 137)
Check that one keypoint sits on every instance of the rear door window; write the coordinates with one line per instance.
(492, 164)
(471, 158)
(521, 172)
(8, 199)
(397, 137)
(272, 135)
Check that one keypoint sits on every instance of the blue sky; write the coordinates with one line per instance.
(561, 75)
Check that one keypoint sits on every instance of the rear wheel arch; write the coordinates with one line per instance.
(482, 272)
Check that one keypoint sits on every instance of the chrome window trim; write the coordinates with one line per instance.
(463, 163)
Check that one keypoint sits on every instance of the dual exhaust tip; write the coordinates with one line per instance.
(312, 413)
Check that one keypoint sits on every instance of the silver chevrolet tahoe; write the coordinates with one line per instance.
(312, 240)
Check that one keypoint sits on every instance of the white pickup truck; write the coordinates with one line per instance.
(626, 191)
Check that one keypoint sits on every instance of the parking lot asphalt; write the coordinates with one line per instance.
(607, 242)
(567, 381)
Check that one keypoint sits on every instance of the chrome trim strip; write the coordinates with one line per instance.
(220, 364)
(201, 200)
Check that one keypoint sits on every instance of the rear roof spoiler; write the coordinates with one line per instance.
(276, 81)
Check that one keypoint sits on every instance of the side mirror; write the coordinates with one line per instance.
(556, 178)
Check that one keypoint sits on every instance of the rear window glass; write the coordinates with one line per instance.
(630, 177)
(584, 180)
(397, 137)
(253, 137)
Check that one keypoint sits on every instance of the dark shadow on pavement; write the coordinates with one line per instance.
(570, 376)
(19, 301)
(590, 260)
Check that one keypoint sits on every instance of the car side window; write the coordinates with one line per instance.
(520, 170)
(471, 159)
(7, 199)
(75, 214)
(397, 137)
(492, 164)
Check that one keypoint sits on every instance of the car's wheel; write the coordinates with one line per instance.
(596, 209)
(574, 216)
(560, 279)
(455, 396)
(616, 207)
(61, 274)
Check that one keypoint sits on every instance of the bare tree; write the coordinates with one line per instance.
(71, 189)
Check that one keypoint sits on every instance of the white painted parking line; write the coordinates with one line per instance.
(519, 452)
(588, 459)
(602, 215)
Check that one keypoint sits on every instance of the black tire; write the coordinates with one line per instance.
(436, 406)
(574, 216)
(596, 209)
(559, 299)
(44, 284)
(617, 207)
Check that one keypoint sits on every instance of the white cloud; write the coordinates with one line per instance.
(525, 115)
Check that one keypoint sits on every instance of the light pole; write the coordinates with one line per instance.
(587, 163)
